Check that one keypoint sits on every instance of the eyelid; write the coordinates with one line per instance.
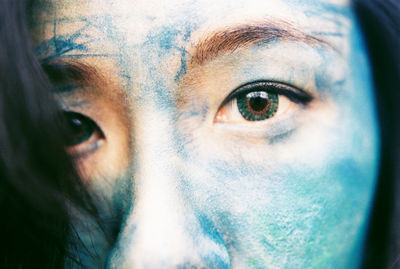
(293, 93)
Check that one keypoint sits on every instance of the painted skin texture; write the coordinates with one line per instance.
(181, 179)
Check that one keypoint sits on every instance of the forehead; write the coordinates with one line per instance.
(158, 12)
(106, 27)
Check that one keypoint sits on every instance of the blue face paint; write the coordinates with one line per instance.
(204, 187)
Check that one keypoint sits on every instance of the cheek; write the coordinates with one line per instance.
(298, 195)
(302, 168)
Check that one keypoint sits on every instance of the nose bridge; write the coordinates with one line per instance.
(161, 231)
(159, 211)
(156, 162)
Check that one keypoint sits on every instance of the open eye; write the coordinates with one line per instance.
(260, 101)
(82, 133)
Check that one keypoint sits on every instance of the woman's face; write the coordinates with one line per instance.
(217, 134)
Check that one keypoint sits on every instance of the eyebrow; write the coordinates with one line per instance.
(232, 38)
(63, 73)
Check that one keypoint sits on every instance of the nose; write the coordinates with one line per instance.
(163, 230)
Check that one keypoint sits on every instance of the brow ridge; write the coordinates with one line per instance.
(63, 73)
(232, 38)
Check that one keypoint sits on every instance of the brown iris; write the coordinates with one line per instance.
(79, 128)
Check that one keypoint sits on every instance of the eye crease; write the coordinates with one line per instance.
(259, 101)
(83, 134)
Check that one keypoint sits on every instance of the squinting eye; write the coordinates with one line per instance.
(82, 133)
(260, 101)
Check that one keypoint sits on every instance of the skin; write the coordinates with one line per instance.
(180, 178)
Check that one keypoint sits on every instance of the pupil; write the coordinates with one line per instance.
(79, 128)
(258, 103)
(76, 127)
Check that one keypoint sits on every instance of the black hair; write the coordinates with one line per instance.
(380, 21)
(38, 179)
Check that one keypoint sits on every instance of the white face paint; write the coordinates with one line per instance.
(236, 134)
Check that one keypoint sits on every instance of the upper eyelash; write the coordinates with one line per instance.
(294, 94)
